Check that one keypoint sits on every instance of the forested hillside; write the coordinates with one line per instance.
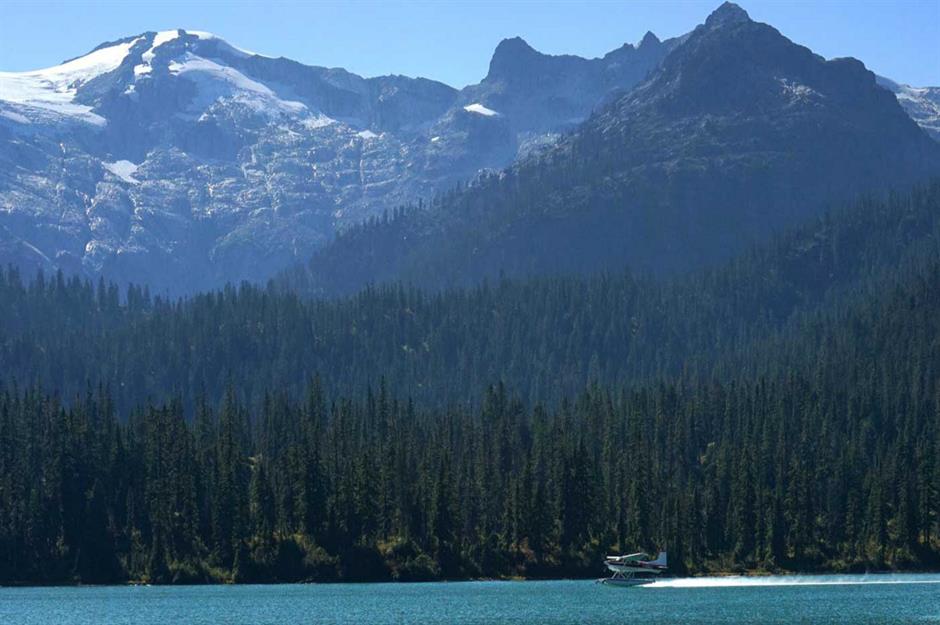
(780, 413)
(835, 467)
(544, 338)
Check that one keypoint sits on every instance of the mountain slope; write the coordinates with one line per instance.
(543, 337)
(176, 159)
(738, 134)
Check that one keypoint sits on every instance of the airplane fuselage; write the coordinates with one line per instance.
(634, 567)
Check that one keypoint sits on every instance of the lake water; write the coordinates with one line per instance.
(881, 599)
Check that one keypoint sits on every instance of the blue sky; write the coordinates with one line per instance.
(453, 41)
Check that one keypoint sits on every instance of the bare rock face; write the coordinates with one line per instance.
(178, 160)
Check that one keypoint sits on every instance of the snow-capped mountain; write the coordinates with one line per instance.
(176, 159)
(179, 160)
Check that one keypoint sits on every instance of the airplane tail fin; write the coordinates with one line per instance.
(660, 559)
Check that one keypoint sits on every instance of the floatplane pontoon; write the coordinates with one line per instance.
(634, 569)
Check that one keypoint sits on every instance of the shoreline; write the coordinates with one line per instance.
(715, 575)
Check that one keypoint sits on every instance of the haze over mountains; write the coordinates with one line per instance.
(178, 160)
(737, 134)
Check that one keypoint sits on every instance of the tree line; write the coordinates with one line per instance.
(787, 474)
(545, 338)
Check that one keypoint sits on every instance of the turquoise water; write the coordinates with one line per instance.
(881, 599)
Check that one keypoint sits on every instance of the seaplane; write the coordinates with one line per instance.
(633, 569)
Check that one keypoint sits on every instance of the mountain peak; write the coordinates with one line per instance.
(727, 13)
(514, 44)
(648, 39)
(511, 48)
(512, 56)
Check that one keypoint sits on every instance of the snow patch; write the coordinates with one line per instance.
(124, 170)
(162, 37)
(435, 139)
(797, 91)
(367, 134)
(320, 121)
(36, 250)
(53, 89)
(479, 109)
(207, 36)
(14, 116)
(165, 36)
(216, 82)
